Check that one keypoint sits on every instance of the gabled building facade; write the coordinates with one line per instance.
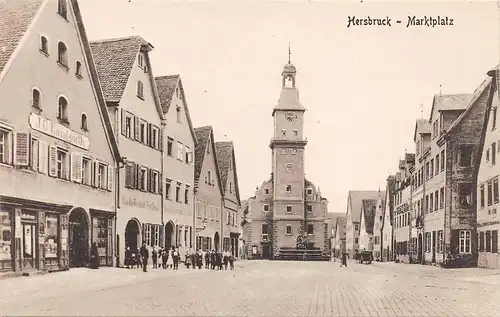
(231, 202)
(378, 224)
(208, 192)
(488, 222)
(422, 138)
(58, 155)
(353, 217)
(403, 239)
(339, 245)
(387, 240)
(179, 142)
(449, 229)
(129, 88)
(368, 209)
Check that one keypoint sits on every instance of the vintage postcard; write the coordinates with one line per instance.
(157, 159)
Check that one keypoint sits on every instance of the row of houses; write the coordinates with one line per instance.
(96, 149)
(440, 207)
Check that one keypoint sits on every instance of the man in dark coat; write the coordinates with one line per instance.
(344, 259)
(94, 256)
(144, 257)
(207, 260)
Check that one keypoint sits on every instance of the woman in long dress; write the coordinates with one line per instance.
(170, 259)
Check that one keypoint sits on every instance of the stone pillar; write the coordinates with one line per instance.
(41, 241)
(63, 242)
(17, 241)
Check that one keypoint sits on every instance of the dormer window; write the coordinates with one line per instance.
(309, 191)
(266, 191)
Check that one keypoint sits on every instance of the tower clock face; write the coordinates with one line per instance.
(290, 116)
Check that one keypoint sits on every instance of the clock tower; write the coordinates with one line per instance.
(288, 145)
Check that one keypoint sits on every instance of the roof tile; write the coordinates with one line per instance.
(203, 134)
(16, 16)
(166, 87)
(114, 59)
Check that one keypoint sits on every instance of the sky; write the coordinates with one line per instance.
(363, 87)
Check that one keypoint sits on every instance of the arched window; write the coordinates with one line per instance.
(62, 110)
(44, 45)
(36, 97)
(78, 71)
(62, 8)
(62, 54)
(84, 122)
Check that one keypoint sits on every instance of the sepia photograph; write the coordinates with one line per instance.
(157, 158)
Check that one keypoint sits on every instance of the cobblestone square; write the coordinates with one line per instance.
(258, 288)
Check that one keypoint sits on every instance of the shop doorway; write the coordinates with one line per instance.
(216, 241)
(29, 246)
(132, 233)
(169, 235)
(78, 238)
(266, 251)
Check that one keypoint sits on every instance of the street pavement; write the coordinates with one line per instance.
(258, 288)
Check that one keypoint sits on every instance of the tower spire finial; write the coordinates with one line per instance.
(289, 53)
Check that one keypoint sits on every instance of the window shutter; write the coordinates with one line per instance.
(137, 122)
(137, 168)
(148, 134)
(35, 150)
(129, 175)
(42, 157)
(123, 122)
(76, 167)
(147, 181)
(160, 184)
(110, 177)
(52, 161)
(21, 150)
(94, 173)
(160, 139)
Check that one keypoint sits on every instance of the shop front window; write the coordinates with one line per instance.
(100, 235)
(6, 235)
(51, 237)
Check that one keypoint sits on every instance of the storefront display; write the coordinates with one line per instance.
(51, 237)
(6, 235)
(100, 234)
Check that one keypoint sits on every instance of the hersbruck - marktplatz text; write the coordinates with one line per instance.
(429, 21)
(352, 21)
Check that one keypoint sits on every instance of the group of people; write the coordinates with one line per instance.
(170, 258)
(212, 259)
